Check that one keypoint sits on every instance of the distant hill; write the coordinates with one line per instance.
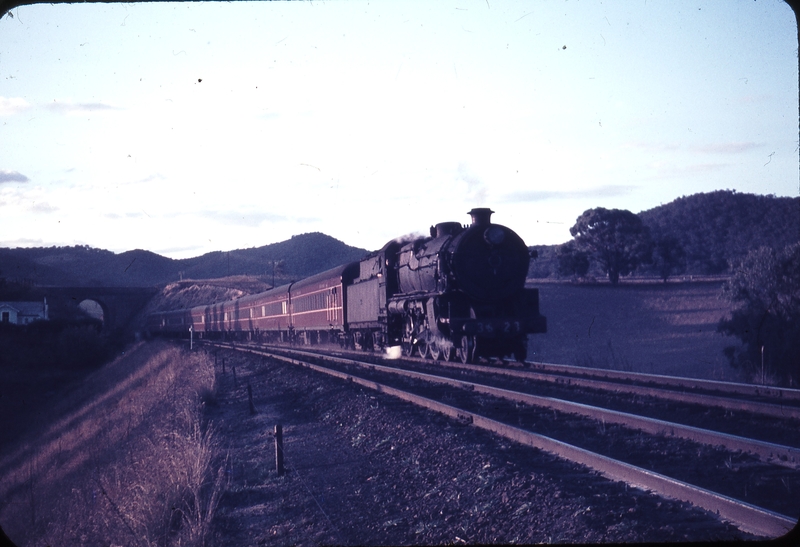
(298, 257)
(719, 228)
(715, 229)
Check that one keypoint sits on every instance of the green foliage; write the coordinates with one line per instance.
(83, 347)
(766, 289)
(545, 264)
(571, 260)
(717, 229)
(668, 257)
(615, 238)
(64, 345)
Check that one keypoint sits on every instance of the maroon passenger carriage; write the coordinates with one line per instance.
(248, 316)
(308, 311)
(318, 303)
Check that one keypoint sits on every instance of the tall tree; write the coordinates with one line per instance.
(615, 238)
(571, 261)
(668, 257)
(766, 289)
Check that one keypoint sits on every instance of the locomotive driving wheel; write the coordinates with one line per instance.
(433, 349)
(467, 349)
(520, 352)
(448, 352)
(422, 348)
(408, 338)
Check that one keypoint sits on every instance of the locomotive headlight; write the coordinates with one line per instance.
(494, 235)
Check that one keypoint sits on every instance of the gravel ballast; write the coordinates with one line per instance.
(365, 469)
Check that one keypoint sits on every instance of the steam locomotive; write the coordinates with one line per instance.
(459, 293)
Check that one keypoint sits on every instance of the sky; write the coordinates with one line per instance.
(185, 128)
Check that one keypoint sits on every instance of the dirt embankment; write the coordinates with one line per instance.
(121, 458)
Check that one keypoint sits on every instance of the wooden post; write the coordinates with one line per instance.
(250, 398)
(234, 376)
(279, 449)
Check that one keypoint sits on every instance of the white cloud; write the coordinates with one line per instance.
(726, 148)
(12, 105)
(68, 107)
(42, 207)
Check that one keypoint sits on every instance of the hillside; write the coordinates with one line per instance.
(298, 257)
(716, 230)
(719, 228)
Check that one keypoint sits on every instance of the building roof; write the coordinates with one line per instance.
(25, 308)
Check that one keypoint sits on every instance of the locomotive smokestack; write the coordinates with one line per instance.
(481, 216)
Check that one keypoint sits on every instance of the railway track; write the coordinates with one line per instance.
(465, 392)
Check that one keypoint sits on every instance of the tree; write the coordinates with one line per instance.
(766, 289)
(615, 238)
(571, 261)
(668, 257)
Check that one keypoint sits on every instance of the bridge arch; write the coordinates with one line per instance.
(119, 305)
(94, 308)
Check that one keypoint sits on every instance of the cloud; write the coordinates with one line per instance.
(671, 170)
(610, 190)
(714, 148)
(12, 176)
(78, 108)
(652, 146)
(12, 105)
(726, 148)
(42, 207)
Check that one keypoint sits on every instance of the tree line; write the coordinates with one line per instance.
(753, 239)
(702, 234)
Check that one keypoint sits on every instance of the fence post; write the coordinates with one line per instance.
(250, 398)
(279, 449)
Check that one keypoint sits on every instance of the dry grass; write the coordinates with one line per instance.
(125, 459)
(645, 327)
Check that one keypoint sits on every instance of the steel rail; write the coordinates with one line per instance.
(775, 410)
(772, 453)
(745, 516)
(753, 390)
(727, 403)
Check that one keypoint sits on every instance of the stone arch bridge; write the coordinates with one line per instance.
(120, 305)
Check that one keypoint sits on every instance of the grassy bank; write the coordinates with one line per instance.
(123, 458)
(645, 327)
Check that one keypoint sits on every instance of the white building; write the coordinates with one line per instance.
(22, 313)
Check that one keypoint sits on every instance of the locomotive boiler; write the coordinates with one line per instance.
(460, 292)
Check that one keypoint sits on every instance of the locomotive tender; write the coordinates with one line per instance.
(458, 293)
